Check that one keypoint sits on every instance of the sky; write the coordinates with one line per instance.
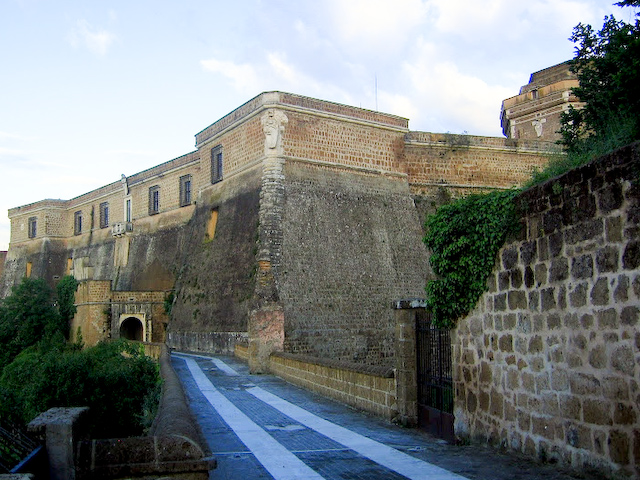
(90, 90)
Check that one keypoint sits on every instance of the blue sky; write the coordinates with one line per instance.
(90, 90)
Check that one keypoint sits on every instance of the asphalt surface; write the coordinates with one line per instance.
(260, 427)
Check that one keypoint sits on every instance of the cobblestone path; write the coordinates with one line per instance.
(260, 427)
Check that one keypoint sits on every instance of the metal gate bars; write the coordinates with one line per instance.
(435, 383)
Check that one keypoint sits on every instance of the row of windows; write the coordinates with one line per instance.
(185, 195)
(185, 183)
(78, 219)
(154, 198)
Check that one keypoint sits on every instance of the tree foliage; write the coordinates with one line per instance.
(27, 316)
(607, 63)
(464, 238)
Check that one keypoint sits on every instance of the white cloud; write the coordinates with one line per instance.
(282, 70)
(243, 76)
(526, 21)
(467, 16)
(14, 136)
(376, 25)
(396, 104)
(273, 72)
(462, 101)
(94, 39)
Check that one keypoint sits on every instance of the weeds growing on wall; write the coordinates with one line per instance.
(464, 238)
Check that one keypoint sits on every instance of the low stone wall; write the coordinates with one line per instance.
(154, 350)
(174, 416)
(242, 352)
(208, 342)
(370, 388)
(548, 362)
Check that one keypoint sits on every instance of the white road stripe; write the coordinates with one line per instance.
(220, 365)
(279, 462)
(224, 367)
(391, 458)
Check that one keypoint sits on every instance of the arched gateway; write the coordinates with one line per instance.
(132, 328)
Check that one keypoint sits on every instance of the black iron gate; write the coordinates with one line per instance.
(435, 382)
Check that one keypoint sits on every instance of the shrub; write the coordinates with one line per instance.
(112, 379)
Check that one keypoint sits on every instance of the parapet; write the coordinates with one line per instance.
(290, 101)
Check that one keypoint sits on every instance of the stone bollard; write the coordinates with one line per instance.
(60, 429)
(406, 313)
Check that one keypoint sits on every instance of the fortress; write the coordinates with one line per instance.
(292, 227)
(293, 230)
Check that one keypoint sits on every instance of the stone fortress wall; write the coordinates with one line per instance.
(280, 232)
(548, 361)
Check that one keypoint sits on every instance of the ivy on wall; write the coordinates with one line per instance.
(464, 238)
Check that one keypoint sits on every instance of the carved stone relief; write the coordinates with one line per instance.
(273, 123)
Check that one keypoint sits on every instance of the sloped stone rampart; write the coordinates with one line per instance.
(350, 246)
(549, 361)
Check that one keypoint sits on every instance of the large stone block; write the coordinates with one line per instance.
(622, 360)
(559, 270)
(631, 255)
(570, 407)
(619, 446)
(582, 267)
(585, 384)
(517, 300)
(600, 292)
(624, 414)
(629, 315)
(596, 412)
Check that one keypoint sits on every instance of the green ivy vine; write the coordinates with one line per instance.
(464, 238)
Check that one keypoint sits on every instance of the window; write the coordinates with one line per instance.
(185, 190)
(211, 225)
(216, 164)
(127, 210)
(154, 200)
(33, 227)
(104, 215)
(77, 222)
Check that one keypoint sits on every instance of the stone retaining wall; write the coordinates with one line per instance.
(549, 361)
(369, 388)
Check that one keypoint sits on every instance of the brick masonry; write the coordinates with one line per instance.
(548, 363)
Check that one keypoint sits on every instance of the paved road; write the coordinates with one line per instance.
(260, 427)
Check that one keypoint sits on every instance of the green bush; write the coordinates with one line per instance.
(113, 379)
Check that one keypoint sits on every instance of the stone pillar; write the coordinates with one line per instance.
(406, 313)
(60, 428)
(266, 321)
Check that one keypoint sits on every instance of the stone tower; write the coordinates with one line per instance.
(534, 114)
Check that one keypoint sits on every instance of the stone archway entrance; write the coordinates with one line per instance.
(132, 328)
